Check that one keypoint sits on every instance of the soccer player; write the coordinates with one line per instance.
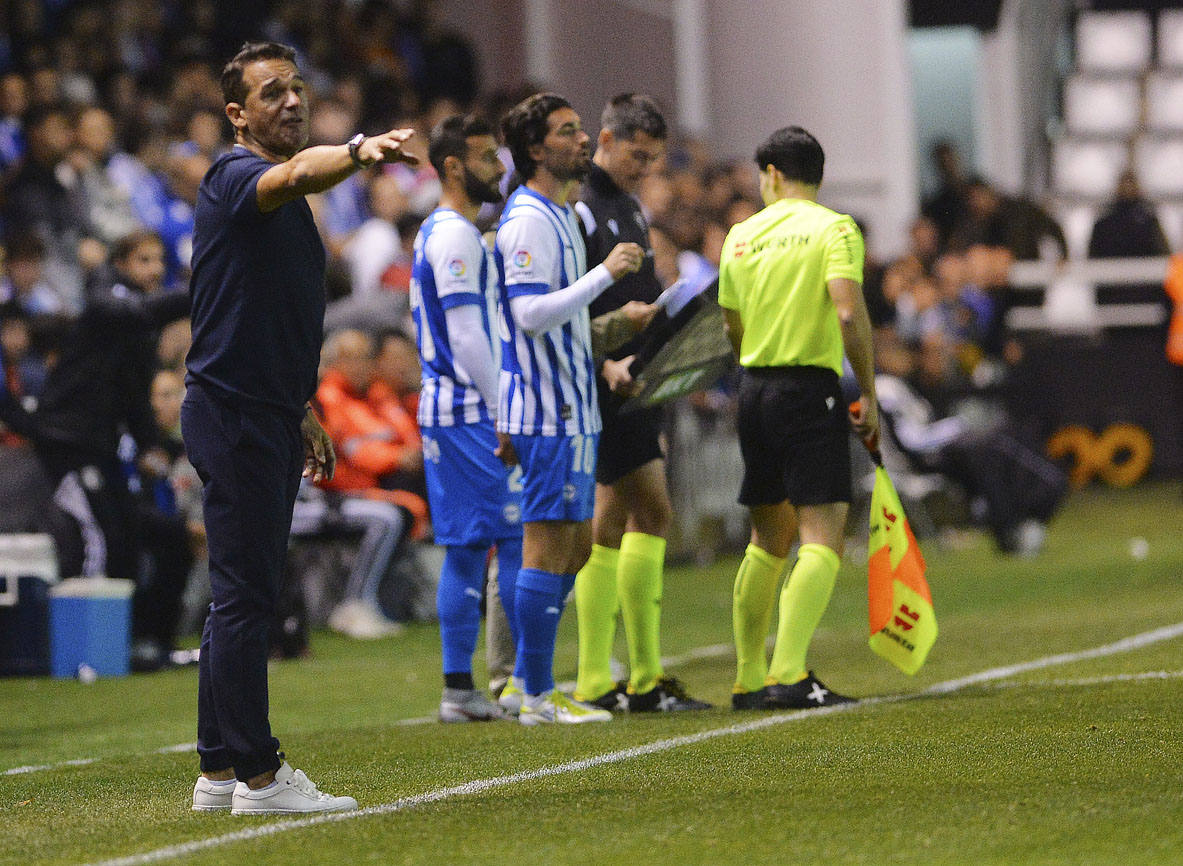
(632, 505)
(790, 284)
(547, 394)
(475, 498)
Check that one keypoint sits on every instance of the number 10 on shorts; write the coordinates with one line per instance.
(583, 454)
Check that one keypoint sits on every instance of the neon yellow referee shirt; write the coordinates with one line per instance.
(773, 272)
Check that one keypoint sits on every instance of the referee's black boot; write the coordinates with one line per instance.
(757, 700)
(808, 694)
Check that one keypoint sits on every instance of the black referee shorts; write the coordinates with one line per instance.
(794, 434)
(629, 439)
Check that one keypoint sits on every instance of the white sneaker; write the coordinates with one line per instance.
(356, 619)
(555, 708)
(211, 796)
(292, 792)
(468, 705)
(511, 696)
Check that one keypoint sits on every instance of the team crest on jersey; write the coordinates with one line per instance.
(521, 259)
(456, 267)
(613, 227)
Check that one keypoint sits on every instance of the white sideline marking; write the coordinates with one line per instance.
(1134, 642)
(480, 785)
(36, 768)
(702, 652)
(1090, 681)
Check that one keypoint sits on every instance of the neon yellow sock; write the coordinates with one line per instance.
(802, 602)
(751, 614)
(595, 610)
(638, 582)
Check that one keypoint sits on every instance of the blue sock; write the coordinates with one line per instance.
(568, 584)
(458, 601)
(539, 605)
(509, 563)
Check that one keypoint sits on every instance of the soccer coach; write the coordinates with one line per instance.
(258, 303)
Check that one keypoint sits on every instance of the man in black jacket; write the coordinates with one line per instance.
(99, 390)
(632, 510)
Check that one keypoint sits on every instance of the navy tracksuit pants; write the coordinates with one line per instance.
(250, 460)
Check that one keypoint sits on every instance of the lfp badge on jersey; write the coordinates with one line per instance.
(521, 259)
(456, 267)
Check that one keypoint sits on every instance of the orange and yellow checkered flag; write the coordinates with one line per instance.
(903, 623)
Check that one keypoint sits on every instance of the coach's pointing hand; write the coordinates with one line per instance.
(624, 259)
(387, 147)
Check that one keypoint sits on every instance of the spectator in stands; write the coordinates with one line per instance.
(24, 284)
(1129, 226)
(165, 532)
(948, 206)
(140, 174)
(923, 247)
(375, 245)
(1014, 223)
(970, 311)
(881, 312)
(397, 276)
(98, 389)
(14, 102)
(340, 210)
(183, 176)
(107, 204)
(20, 366)
(369, 449)
(394, 396)
(38, 202)
(1014, 489)
(204, 131)
(25, 493)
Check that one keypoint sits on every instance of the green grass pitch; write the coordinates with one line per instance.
(1076, 761)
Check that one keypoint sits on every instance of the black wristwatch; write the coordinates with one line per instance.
(353, 144)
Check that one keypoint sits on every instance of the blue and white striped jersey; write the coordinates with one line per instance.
(452, 267)
(548, 380)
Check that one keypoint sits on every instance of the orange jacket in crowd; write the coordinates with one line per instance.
(1174, 289)
(397, 411)
(368, 445)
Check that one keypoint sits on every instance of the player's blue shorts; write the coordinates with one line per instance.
(558, 477)
(474, 497)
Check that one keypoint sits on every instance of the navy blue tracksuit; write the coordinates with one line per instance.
(258, 311)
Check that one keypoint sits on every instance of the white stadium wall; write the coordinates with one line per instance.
(733, 70)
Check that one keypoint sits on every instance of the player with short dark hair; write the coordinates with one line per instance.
(475, 497)
(790, 285)
(632, 509)
(547, 394)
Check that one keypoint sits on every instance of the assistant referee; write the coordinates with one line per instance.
(790, 284)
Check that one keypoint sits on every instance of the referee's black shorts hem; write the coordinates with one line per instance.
(794, 434)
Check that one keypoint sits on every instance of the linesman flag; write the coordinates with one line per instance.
(903, 624)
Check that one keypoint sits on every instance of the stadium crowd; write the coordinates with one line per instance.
(110, 116)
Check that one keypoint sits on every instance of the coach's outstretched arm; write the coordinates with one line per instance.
(324, 166)
(538, 313)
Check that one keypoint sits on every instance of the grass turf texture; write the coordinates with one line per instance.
(1039, 768)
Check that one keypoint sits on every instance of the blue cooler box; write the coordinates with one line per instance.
(28, 568)
(90, 625)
